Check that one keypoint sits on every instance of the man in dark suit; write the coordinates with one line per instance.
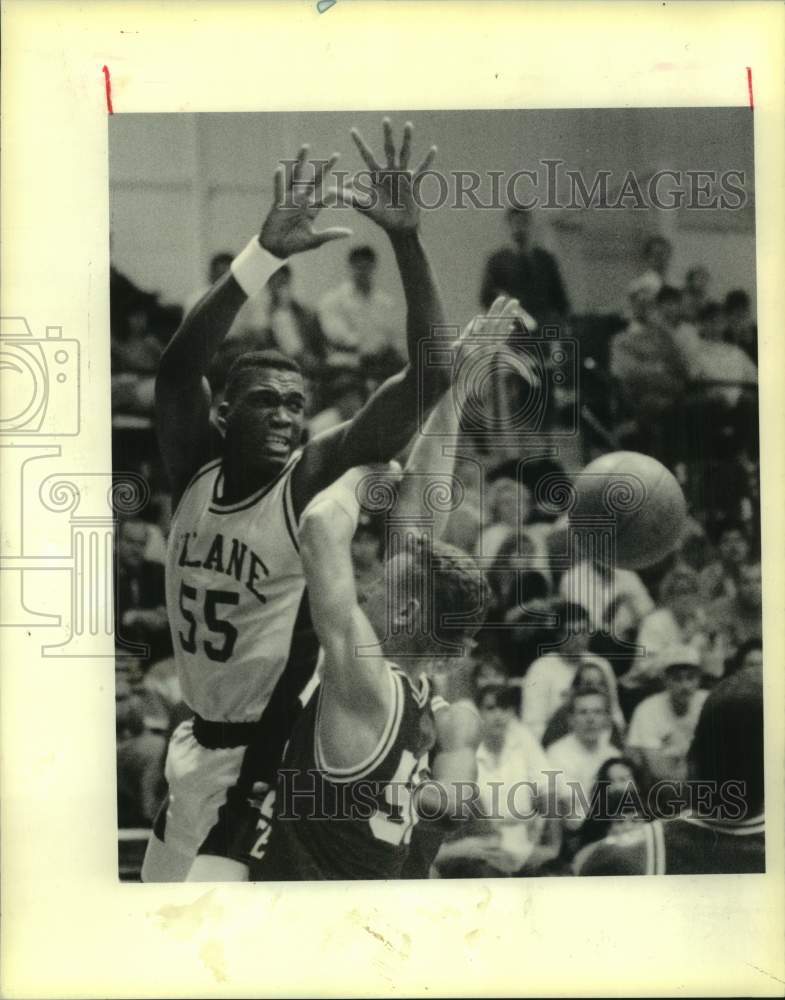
(527, 273)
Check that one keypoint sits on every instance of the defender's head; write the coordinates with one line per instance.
(263, 411)
(728, 741)
(421, 593)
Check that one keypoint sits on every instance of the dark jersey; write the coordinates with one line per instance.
(351, 823)
(687, 845)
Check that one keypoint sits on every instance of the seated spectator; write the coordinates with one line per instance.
(520, 624)
(740, 328)
(593, 674)
(657, 253)
(140, 760)
(739, 619)
(578, 756)
(709, 359)
(135, 354)
(615, 599)
(727, 749)
(650, 370)
(720, 577)
(295, 329)
(509, 506)
(548, 681)
(749, 656)
(680, 619)
(140, 596)
(696, 293)
(663, 724)
(488, 671)
(346, 388)
(616, 803)
(507, 836)
(527, 273)
(358, 319)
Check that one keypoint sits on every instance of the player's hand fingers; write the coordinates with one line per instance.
(389, 145)
(278, 186)
(365, 152)
(361, 200)
(429, 158)
(297, 167)
(321, 172)
(406, 146)
(327, 235)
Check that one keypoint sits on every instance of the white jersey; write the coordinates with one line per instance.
(234, 586)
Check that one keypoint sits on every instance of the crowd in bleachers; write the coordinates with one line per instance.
(610, 694)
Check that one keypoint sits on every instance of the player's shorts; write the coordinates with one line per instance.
(199, 779)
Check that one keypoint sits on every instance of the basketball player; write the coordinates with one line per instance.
(353, 779)
(347, 787)
(724, 833)
(235, 589)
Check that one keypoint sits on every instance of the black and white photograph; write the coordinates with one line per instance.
(449, 564)
(391, 478)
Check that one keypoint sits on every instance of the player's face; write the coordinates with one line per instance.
(589, 716)
(267, 414)
(384, 603)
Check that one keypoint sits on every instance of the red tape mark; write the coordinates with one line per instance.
(108, 81)
(749, 87)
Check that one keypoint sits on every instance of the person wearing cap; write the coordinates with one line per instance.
(662, 725)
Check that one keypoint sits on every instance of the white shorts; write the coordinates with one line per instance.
(198, 779)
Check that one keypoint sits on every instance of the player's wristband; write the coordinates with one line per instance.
(253, 267)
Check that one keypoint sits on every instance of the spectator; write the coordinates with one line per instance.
(347, 391)
(578, 756)
(657, 253)
(616, 803)
(740, 328)
(593, 674)
(739, 619)
(527, 273)
(357, 318)
(512, 783)
(663, 724)
(295, 329)
(680, 619)
(140, 760)
(252, 315)
(140, 595)
(509, 506)
(720, 577)
(749, 656)
(548, 681)
(650, 370)
(696, 293)
(615, 599)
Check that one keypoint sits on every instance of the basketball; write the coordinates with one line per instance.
(642, 497)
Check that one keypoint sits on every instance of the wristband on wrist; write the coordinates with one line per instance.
(254, 266)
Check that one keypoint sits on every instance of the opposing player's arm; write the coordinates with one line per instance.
(182, 393)
(385, 425)
(357, 688)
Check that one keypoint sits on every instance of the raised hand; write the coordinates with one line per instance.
(386, 193)
(289, 226)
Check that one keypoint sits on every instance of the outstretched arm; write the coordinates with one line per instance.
(432, 457)
(182, 394)
(356, 687)
(385, 425)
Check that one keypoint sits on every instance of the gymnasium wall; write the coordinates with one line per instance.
(185, 186)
